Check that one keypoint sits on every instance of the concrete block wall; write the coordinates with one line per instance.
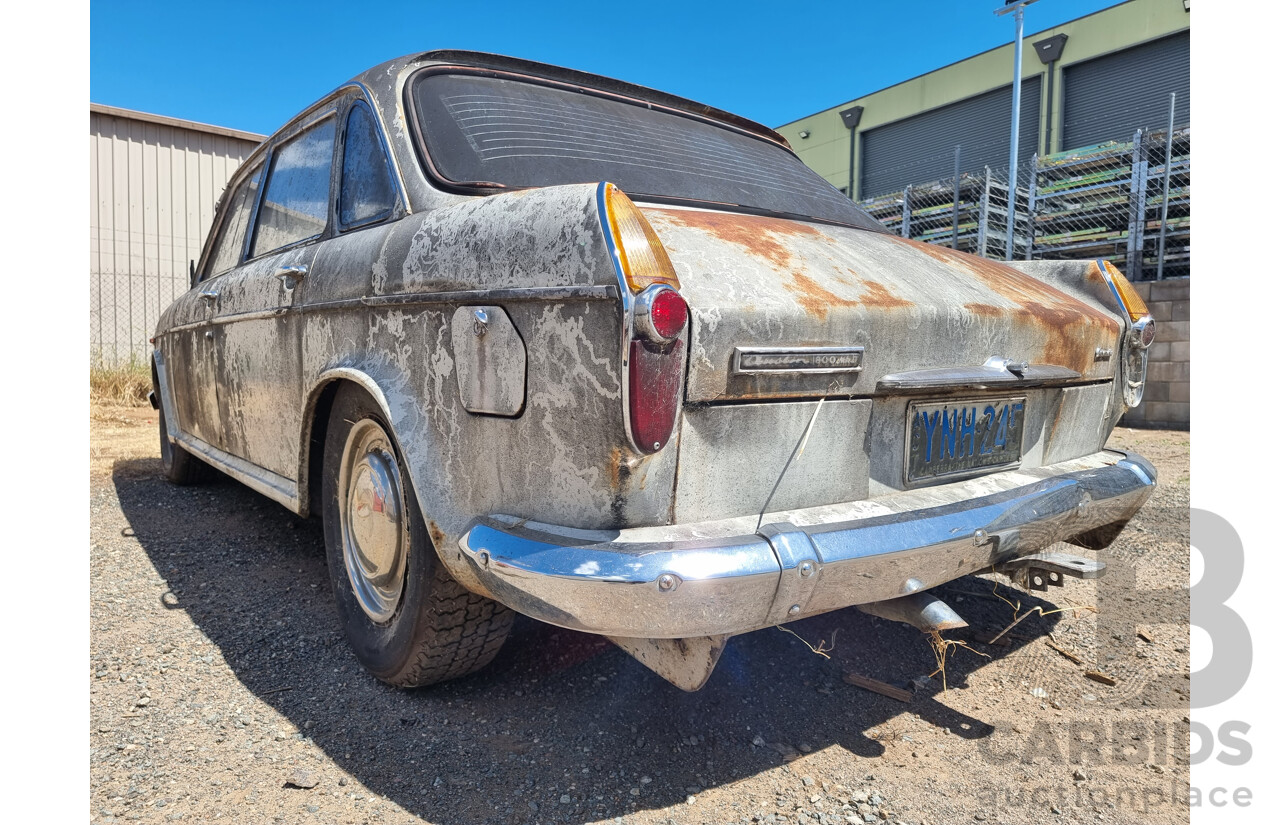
(1167, 401)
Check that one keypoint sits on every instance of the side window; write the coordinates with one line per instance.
(366, 193)
(295, 205)
(226, 253)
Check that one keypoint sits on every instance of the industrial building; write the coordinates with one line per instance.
(1090, 80)
(1100, 173)
(153, 185)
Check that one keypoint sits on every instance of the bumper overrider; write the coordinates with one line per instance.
(738, 575)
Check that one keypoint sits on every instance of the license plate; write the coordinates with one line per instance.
(952, 437)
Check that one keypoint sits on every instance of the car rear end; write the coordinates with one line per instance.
(854, 417)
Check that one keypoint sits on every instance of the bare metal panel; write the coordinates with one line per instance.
(736, 455)
(1079, 424)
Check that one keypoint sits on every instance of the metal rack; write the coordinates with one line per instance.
(968, 213)
(1098, 202)
(1106, 202)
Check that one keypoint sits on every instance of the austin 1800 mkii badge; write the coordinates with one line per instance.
(793, 359)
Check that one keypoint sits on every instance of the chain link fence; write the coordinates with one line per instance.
(1127, 202)
(969, 212)
(124, 308)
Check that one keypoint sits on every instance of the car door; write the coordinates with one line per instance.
(191, 351)
(259, 370)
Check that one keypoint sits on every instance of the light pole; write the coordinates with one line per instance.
(1015, 6)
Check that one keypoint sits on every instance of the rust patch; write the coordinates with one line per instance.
(619, 469)
(878, 295)
(1071, 329)
(813, 297)
(817, 299)
(985, 310)
(761, 236)
(1005, 280)
(437, 535)
(1070, 336)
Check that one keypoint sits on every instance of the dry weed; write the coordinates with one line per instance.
(822, 649)
(125, 384)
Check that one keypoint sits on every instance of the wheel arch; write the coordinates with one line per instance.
(315, 424)
(440, 514)
(160, 386)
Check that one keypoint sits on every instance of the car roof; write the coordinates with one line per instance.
(383, 77)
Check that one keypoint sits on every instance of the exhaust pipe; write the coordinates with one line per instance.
(923, 610)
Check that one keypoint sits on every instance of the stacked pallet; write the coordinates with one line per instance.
(970, 216)
(1105, 202)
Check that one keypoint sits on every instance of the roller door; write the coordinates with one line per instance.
(921, 148)
(1110, 97)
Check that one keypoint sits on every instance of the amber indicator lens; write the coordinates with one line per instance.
(643, 260)
(1133, 303)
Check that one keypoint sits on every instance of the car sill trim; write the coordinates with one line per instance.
(275, 487)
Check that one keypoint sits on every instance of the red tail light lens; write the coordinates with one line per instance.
(656, 365)
(668, 313)
(660, 314)
(654, 390)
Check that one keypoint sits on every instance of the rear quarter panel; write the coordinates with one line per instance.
(382, 305)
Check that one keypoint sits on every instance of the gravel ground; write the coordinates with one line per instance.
(221, 689)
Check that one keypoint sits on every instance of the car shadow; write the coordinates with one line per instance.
(559, 713)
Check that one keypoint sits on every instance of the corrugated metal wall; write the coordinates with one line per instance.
(1111, 97)
(921, 148)
(152, 192)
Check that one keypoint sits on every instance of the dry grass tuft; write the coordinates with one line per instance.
(941, 647)
(822, 649)
(126, 385)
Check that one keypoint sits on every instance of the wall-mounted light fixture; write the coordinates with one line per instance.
(1049, 50)
(804, 134)
(852, 117)
(1186, 6)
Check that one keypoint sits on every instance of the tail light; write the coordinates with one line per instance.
(656, 315)
(1140, 333)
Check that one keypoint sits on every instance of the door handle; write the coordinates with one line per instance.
(291, 274)
(209, 296)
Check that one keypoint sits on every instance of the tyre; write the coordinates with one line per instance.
(180, 466)
(409, 622)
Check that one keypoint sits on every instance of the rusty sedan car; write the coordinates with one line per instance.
(530, 339)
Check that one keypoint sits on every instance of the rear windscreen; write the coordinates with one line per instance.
(491, 130)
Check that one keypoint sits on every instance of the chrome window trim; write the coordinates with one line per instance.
(294, 132)
(397, 177)
(391, 212)
(252, 167)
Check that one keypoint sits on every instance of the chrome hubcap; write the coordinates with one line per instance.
(375, 540)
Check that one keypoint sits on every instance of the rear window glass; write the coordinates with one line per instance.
(485, 129)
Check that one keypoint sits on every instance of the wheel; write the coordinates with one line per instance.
(180, 466)
(409, 622)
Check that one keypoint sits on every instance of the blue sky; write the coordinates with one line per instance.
(252, 65)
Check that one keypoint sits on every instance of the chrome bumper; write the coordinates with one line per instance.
(728, 577)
